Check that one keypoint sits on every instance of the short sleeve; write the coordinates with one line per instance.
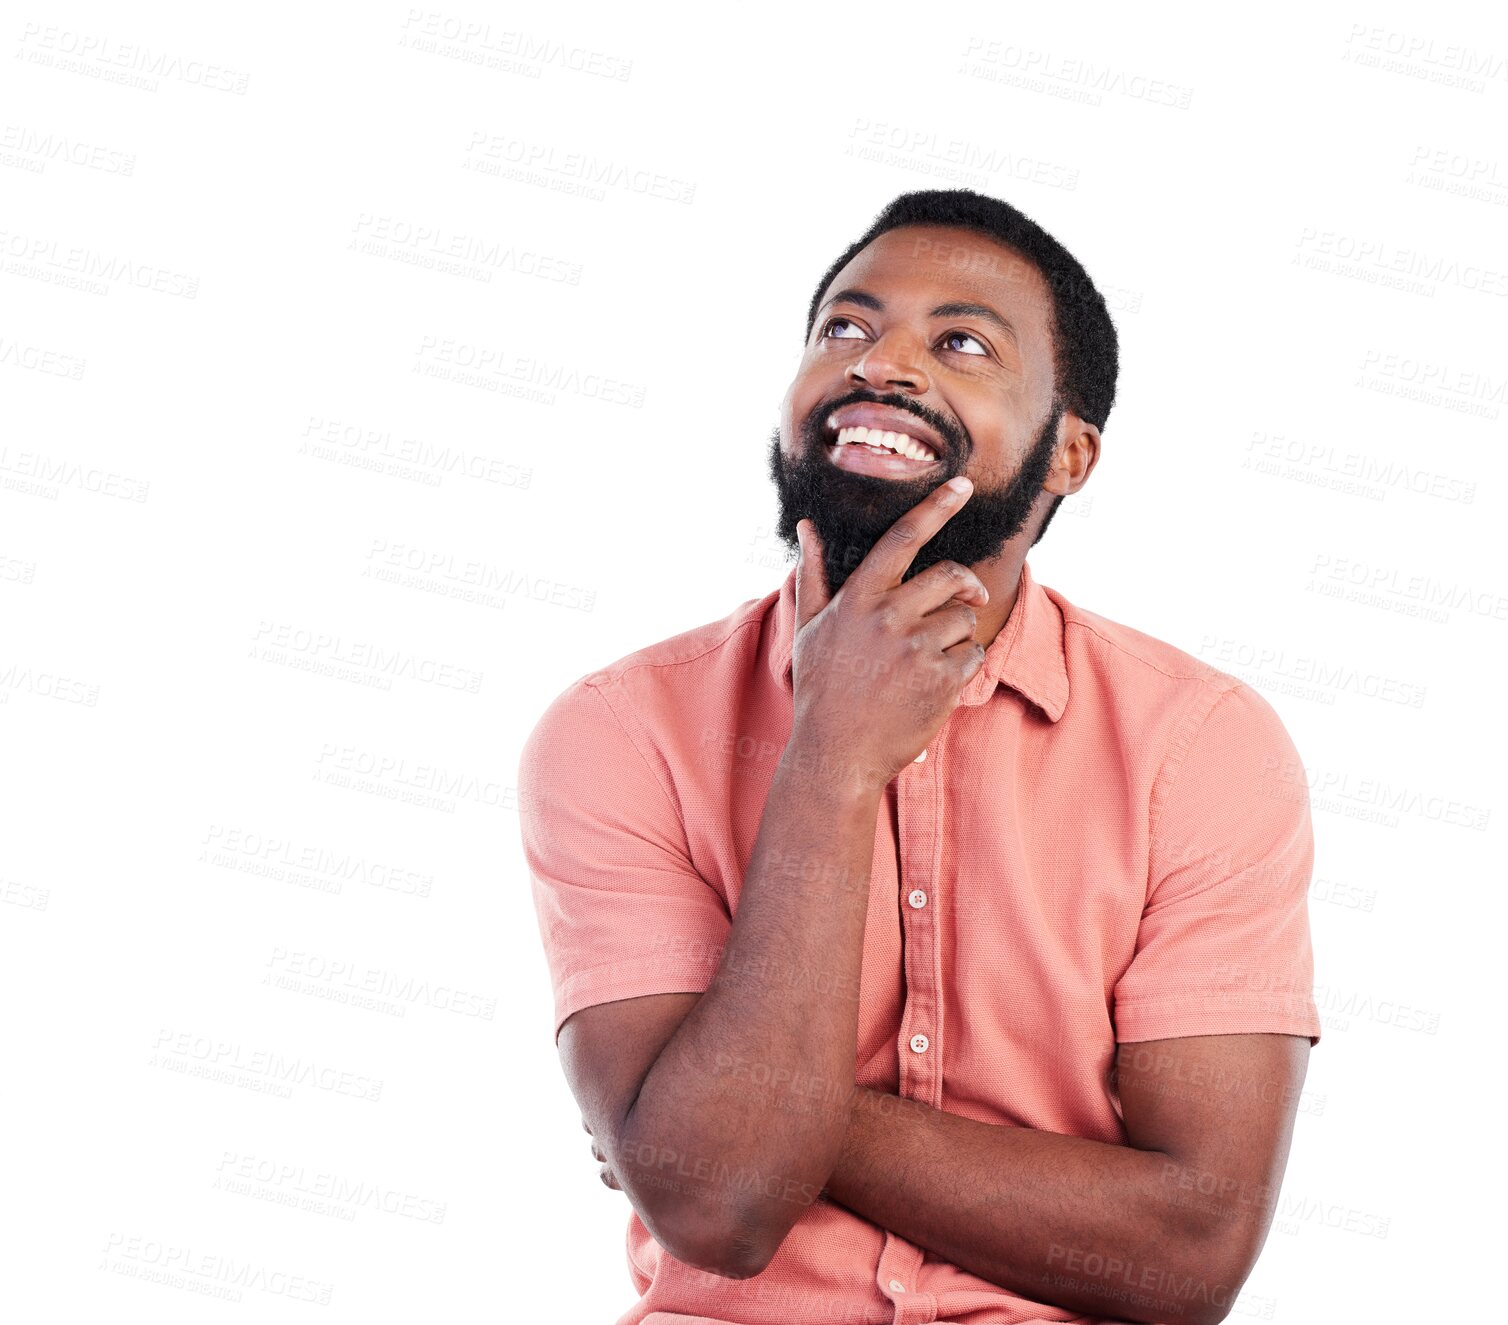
(1224, 943)
(621, 910)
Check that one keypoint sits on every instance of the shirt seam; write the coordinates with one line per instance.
(610, 675)
(688, 968)
(1182, 997)
(1209, 677)
(635, 965)
(1173, 763)
(671, 802)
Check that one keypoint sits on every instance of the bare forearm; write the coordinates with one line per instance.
(745, 1109)
(1064, 1220)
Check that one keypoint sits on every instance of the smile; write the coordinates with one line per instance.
(897, 442)
(881, 453)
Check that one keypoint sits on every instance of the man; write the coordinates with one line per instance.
(926, 947)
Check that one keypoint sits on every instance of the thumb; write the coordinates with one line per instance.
(811, 574)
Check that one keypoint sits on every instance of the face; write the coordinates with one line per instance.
(943, 335)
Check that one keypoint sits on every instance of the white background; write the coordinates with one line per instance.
(245, 491)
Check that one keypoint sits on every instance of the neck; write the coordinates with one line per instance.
(1002, 578)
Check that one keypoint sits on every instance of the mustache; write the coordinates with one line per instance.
(953, 435)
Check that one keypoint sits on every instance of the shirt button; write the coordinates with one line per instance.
(896, 1286)
(919, 1043)
(920, 757)
(917, 898)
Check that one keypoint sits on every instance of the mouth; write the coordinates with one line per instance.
(883, 443)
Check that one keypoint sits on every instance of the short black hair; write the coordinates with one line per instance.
(1085, 349)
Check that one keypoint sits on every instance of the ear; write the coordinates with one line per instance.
(1078, 451)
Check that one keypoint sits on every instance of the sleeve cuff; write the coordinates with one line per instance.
(1217, 1013)
(635, 979)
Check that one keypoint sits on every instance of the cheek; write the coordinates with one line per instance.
(793, 418)
(788, 436)
(992, 461)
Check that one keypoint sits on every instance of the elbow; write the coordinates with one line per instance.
(735, 1249)
(707, 1225)
(1223, 1263)
(1208, 1315)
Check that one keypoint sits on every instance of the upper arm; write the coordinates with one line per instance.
(1223, 946)
(623, 911)
(1222, 1109)
(607, 1051)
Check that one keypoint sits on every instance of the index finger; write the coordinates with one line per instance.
(890, 558)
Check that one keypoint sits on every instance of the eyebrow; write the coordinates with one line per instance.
(956, 309)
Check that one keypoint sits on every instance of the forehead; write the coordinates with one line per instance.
(930, 264)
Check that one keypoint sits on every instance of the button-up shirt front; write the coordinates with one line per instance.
(1108, 841)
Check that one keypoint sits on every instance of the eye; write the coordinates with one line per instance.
(964, 335)
(843, 321)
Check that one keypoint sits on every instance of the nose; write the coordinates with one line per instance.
(892, 362)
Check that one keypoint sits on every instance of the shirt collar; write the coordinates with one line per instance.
(1026, 656)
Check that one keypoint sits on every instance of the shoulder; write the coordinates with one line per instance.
(736, 633)
(1136, 654)
(617, 697)
(1156, 683)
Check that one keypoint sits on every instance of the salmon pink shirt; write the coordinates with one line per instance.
(1108, 841)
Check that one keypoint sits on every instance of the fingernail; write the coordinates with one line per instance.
(959, 484)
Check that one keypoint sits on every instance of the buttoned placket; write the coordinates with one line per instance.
(919, 826)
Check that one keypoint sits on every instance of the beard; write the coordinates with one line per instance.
(852, 511)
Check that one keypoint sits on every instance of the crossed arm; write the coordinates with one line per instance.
(1165, 1228)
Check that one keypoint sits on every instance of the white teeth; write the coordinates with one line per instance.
(899, 442)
